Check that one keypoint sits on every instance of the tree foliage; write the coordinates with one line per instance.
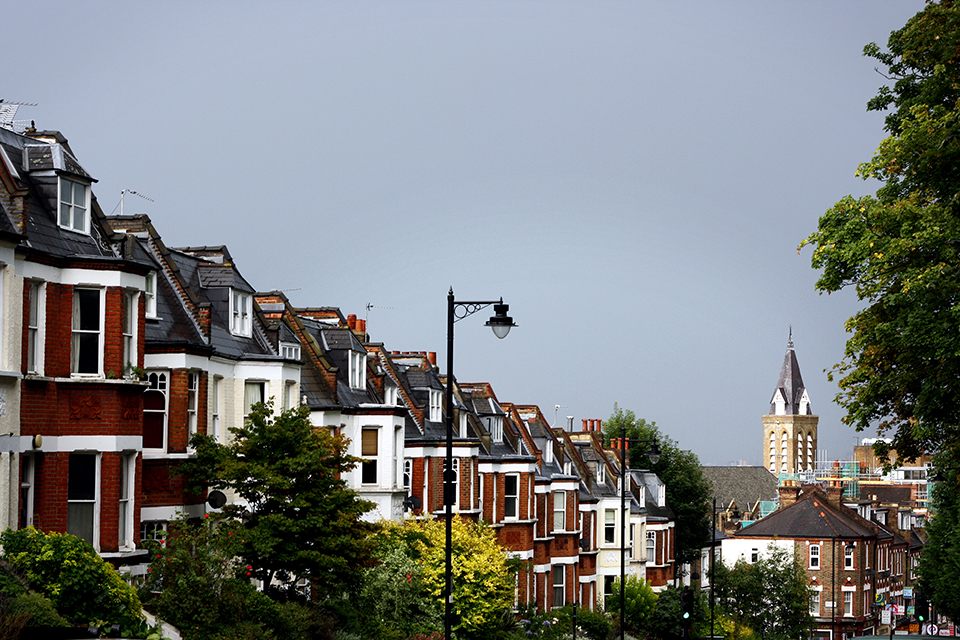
(83, 588)
(197, 583)
(940, 562)
(298, 517)
(770, 595)
(639, 603)
(406, 589)
(688, 491)
(900, 249)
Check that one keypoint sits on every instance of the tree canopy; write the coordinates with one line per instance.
(298, 517)
(770, 595)
(405, 591)
(900, 248)
(688, 491)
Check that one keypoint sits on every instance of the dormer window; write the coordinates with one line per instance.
(74, 205)
(241, 313)
(289, 351)
(389, 395)
(150, 295)
(496, 428)
(435, 403)
(358, 370)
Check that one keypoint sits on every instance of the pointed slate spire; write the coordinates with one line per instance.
(792, 394)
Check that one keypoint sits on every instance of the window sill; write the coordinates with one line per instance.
(91, 379)
(11, 374)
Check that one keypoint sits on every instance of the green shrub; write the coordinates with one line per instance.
(39, 610)
(82, 587)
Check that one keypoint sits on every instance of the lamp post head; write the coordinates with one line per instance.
(500, 322)
(654, 453)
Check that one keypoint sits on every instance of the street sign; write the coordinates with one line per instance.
(885, 617)
(908, 592)
(931, 629)
(880, 599)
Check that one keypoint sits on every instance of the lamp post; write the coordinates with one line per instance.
(501, 324)
(653, 454)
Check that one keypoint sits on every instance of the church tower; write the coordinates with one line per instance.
(790, 429)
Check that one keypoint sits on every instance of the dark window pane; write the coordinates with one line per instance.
(88, 352)
(369, 472)
(82, 480)
(153, 431)
(88, 304)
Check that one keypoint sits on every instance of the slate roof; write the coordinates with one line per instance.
(744, 485)
(790, 382)
(42, 232)
(812, 516)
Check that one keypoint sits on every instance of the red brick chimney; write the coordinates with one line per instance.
(789, 491)
(432, 357)
(834, 491)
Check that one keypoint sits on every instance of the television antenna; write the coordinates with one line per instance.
(8, 113)
(131, 191)
(370, 305)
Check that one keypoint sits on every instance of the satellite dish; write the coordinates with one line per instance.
(216, 499)
(412, 502)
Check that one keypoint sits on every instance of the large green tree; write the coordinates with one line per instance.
(298, 519)
(769, 596)
(940, 562)
(688, 491)
(900, 248)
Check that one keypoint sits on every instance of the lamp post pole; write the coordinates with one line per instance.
(654, 455)
(501, 324)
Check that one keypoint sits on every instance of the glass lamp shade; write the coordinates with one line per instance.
(500, 322)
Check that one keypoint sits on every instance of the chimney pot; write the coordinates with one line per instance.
(352, 321)
(432, 357)
(586, 424)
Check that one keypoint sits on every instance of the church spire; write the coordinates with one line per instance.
(790, 397)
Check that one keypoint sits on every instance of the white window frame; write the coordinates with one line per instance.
(78, 333)
(814, 608)
(369, 455)
(36, 325)
(155, 530)
(289, 395)
(559, 585)
(150, 295)
(27, 470)
(158, 380)
(128, 469)
(254, 391)
(193, 401)
(358, 370)
(610, 526)
(94, 502)
(496, 428)
(813, 557)
(407, 474)
(69, 208)
(129, 328)
(849, 554)
(436, 402)
(560, 511)
(289, 351)
(216, 392)
(390, 395)
(241, 313)
(848, 603)
(601, 473)
(651, 547)
(456, 483)
(511, 497)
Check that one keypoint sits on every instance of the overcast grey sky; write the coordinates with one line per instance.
(633, 178)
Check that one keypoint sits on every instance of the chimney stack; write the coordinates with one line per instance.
(789, 491)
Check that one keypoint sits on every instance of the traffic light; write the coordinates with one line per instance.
(686, 605)
(922, 609)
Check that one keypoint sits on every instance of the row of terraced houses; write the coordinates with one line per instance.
(115, 349)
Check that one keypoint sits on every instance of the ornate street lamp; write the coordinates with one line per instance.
(653, 454)
(501, 324)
